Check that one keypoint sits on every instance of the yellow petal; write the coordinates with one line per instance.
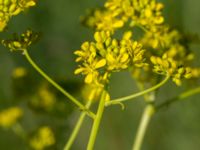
(100, 63)
(127, 35)
(124, 58)
(118, 24)
(17, 11)
(97, 37)
(153, 59)
(30, 3)
(89, 78)
(12, 8)
(17, 44)
(159, 20)
(110, 58)
(79, 70)
(2, 25)
(85, 46)
(107, 98)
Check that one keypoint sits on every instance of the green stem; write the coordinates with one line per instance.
(74, 100)
(142, 27)
(96, 123)
(178, 98)
(117, 101)
(146, 117)
(79, 123)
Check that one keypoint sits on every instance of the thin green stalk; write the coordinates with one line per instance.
(74, 100)
(178, 98)
(119, 100)
(143, 28)
(146, 117)
(150, 111)
(79, 123)
(97, 121)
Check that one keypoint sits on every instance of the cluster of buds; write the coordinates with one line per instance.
(9, 8)
(116, 13)
(106, 55)
(170, 67)
(21, 42)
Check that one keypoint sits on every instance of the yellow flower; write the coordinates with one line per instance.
(44, 99)
(22, 42)
(19, 72)
(161, 37)
(91, 70)
(103, 20)
(195, 72)
(43, 138)
(134, 49)
(10, 116)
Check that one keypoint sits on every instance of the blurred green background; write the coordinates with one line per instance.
(174, 128)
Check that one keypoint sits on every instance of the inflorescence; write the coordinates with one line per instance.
(160, 50)
(9, 8)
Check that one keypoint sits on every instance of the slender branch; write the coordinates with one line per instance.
(142, 27)
(116, 101)
(79, 122)
(74, 100)
(146, 117)
(97, 121)
(178, 98)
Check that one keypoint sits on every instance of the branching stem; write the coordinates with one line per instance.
(97, 121)
(116, 101)
(182, 96)
(58, 87)
(79, 122)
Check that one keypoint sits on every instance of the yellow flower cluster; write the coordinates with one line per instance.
(168, 52)
(166, 45)
(44, 98)
(9, 8)
(167, 41)
(116, 13)
(107, 55)
(10, 116)
(161, 37)
(102, 20)
(21, 42)
(43, 139)
(168, 66)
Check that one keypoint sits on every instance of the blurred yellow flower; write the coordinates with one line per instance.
(19, 72)
(10, 116)
(42, 139)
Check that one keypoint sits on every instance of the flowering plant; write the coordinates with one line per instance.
(153, 59)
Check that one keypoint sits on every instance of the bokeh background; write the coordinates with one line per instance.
(174, 128)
